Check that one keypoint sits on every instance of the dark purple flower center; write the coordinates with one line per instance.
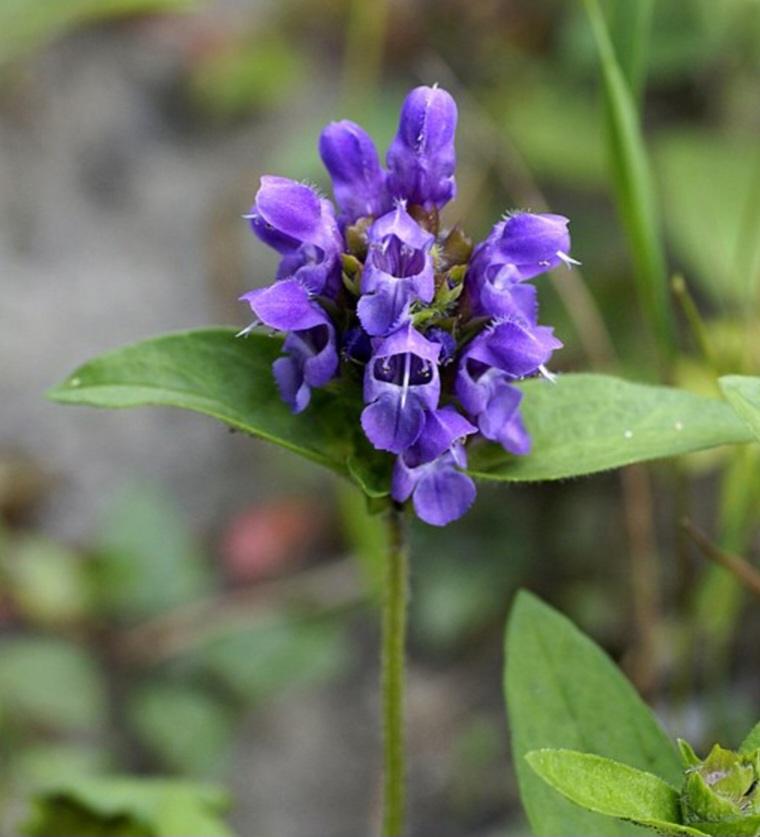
(403, 370)
(398, 259)
(311, 341)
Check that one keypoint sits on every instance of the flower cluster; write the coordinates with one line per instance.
(439, 331)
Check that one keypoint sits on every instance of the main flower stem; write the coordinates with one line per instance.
(393, 659)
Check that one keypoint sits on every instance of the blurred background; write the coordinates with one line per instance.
(179, 600)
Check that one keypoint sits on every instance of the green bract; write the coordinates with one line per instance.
(721, 795)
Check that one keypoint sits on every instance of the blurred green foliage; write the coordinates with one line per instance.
(25, 26)
(107, 807)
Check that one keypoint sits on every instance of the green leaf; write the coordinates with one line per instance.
(743, 394)
(39, 764)
(51, 683)
(563, 692)
(752, 741)
(258, 663)
(583, 424)
(748, 826)
(611, 788)
(211, 372)
(184, 726)
(588, 423)
(117, 807)
(631, 27)
(714, 232)
(634, 187)
(46, 582)
(147, 560)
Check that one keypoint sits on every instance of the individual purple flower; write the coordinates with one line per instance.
(401, 383)
(487, 395)
(293, 219)
(506, 352)
(359, 182)
(311, 356)
(430, 470)
(398, 271)
(518, 249)
(422, 158)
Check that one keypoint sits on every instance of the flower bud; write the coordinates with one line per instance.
(421, 159)
(287, 214)
(721, 795)
(358, 180)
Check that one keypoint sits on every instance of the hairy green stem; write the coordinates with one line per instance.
(394, 644)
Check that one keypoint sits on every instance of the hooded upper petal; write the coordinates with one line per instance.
(359, 182)
(287, 214)
(422, 158)
(285, 306)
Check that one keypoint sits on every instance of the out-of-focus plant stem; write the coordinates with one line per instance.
(740, 568)
(747, 258)
(696, 323)
(393, 672)
(637, 505)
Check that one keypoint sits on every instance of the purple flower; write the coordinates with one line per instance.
(422, 158)
(486, 394)
(508, 351)
(311, 356)
(429, 471)
(358, 180)
(293, 219)
(400, 383)
(398, 271)
(349, 290)
(517, 249)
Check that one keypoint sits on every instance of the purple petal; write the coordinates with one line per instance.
(532, 243)
(393, 424)
(403, 480)
(442, 429)
(287, 214)
(399, 223)
(356, 345)
(442, 495)
(422, 158)
(515, 347)
(503, 404)
(407, 340)
(358, 180)
(447, 342)
(498, 299)
(288, 375)
(318, 353)
(383, 310)
(285, 306)
(514, 437)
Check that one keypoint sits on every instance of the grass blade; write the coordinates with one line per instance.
(634, 189)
